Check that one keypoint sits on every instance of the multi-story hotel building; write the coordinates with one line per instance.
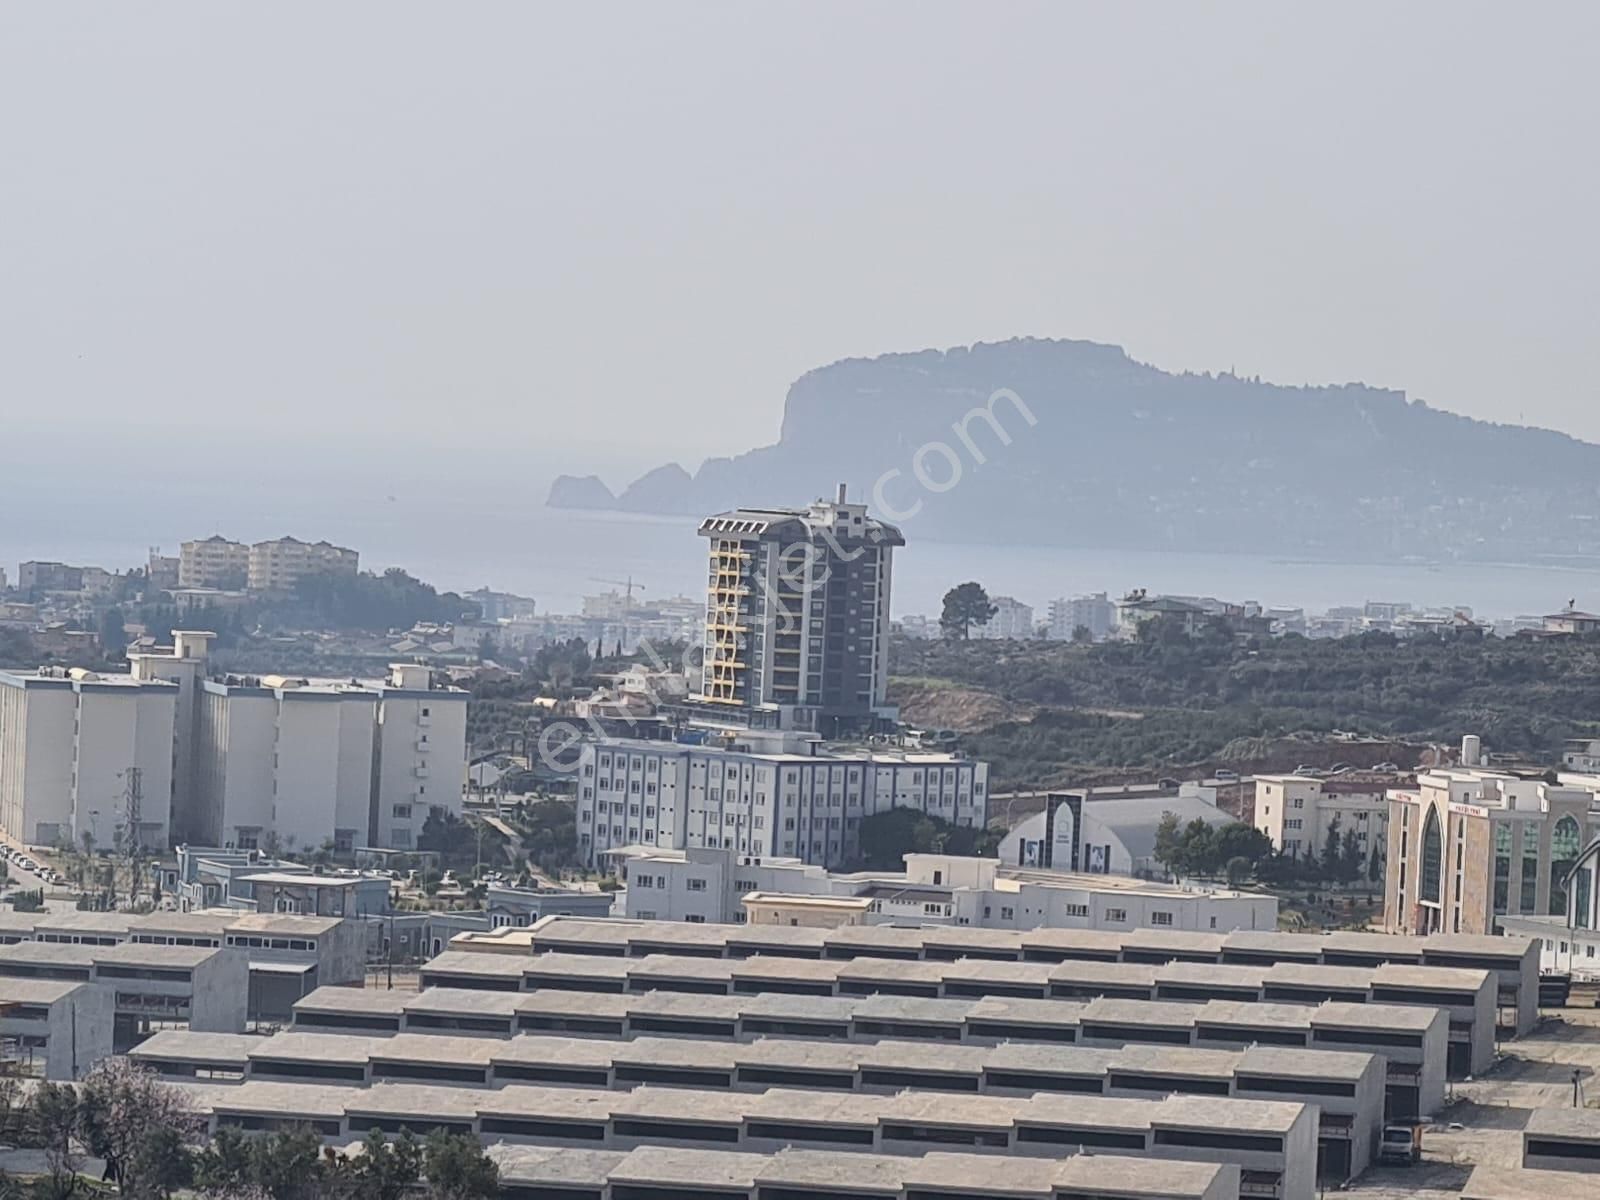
(763, 794)
(278, 565)
(213, 562)
(1469, 846)
(797, 617)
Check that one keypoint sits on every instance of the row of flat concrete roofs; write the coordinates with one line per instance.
(552, 964)
(532, 1166)
(172, 1046)
(424, 1102)
(841, 1009)
(621, 935)
(209, 922)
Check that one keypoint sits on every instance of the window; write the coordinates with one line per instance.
(644, 881)
(1117, 914)
(695, 919)
(1299, 802)
(425, 712)
(1565, 842)
(695, 883)
(1074, 910)
(1161, 918)
(1432, 858)
(402, 812)
(1007, 913)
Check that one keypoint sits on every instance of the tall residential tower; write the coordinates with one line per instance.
(797, 617)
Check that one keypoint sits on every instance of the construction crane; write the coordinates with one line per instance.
(626, 584)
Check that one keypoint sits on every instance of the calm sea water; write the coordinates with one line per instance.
(464, 526)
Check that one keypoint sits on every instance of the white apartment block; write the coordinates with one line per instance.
(213, 562)
(232, 762)
(1012, 620)
(277, 565)
(806, 805)
(284, 758)
(311, 761)
(1095, 613)
(421, 756)
(72, 745)
(1296, 811)
(935, 889)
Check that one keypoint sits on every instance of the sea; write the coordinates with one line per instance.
(461, 526)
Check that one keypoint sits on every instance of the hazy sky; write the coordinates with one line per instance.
(615, 233)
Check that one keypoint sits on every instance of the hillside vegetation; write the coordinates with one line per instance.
(1270, 704)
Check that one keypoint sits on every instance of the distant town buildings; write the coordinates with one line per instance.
(278, 565)
(1012, 619)
(502, 606)
(271, 566)
(233, 763)
(1137, 609)
(1094, 613)
(213, 562)
(761, 792)
(797, 617)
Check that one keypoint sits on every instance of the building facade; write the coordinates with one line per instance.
(278, 565)
(79, 751)
(800, 802)
(1012, 620)
(714, 887)
(213, 562)
(797, 615)
(1094, 613)
(1296, 813)
(1469, 846)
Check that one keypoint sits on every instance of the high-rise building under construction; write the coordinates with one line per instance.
(797, 617)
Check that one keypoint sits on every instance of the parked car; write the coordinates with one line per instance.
(1225, 774)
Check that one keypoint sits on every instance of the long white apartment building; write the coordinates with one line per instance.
(762, 793)
(713, 886)
(227, 762)
(79, 751)
(312, 760)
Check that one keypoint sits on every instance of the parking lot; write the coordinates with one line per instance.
(1482, 1124)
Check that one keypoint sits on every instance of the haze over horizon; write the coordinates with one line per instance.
(483, 238)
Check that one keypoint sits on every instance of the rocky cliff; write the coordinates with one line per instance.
(1096, 449)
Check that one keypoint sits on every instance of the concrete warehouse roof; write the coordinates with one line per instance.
(1575, 1123)
(16, 990)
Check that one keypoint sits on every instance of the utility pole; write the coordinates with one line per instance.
(132, 844)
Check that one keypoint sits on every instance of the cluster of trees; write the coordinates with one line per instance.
(154, 1146)
(1240, 852)
(887, 837)
(1193, 696)
(393, 600)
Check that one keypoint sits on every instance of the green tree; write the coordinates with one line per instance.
(1332, 855)
(384, 1170)
(139, 1125)
(1169, 843)
(54, 1117)
(1238, 870)
(1375, 865)
(1349, 857)
(457, 1168)
(965, 605)
(1082, 635)
(113, 640)
(1200, 848)
(1239, 840)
